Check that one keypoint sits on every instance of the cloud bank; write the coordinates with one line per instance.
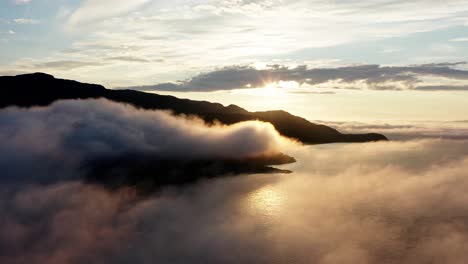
(381, 202)
(363, 76)
(407, 130)
(54, 143)
(388, 202)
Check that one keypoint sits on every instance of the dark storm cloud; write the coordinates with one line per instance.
(52, 143)
(375, 76)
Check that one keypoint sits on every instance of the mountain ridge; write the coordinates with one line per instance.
(40, 89)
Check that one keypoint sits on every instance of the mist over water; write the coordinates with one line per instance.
(385, 202)
(407, 130)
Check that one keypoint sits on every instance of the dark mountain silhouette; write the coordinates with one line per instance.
(39, 89)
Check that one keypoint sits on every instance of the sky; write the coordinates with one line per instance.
(347, 60)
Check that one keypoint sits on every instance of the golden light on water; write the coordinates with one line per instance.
(267, 201)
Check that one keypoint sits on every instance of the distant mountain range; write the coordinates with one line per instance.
(39, 89)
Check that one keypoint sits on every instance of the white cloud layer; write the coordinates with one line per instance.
(394, 202)
(382, 202)
(55, 143)
(407, 130)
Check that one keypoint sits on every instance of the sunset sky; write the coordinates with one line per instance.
(322, 59)
(366, 161)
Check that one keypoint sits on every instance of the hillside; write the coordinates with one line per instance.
(39, 89)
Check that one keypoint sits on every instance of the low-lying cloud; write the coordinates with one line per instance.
(407, 130)
(372, 76)
(387, 202)
(381, 202)
(50, 143)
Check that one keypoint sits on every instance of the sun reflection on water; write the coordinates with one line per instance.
(266, 201)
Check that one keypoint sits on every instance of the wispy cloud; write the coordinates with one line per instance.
(26, 21)
(19, 2)
(220, 35)
(459, 40)
(65, 64)
(92, 10)
(127, 59)
(223, 33)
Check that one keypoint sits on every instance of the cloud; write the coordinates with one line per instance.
(311, 92)
(226, 33)
(63, 236)
(92, 10)
(20, 2)
(62, 141)
(26, 21)
(373, 76)
(444, 64)
(407, 130)
(442, 88)
(65, 64)
(127, 59)
(459, 40)
(389, 202)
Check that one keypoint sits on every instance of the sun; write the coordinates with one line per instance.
(271, 89)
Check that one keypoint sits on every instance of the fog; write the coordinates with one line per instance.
(55, 142)
(407, 130)
(383, 202)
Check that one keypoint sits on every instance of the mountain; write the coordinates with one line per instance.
(39, 89)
